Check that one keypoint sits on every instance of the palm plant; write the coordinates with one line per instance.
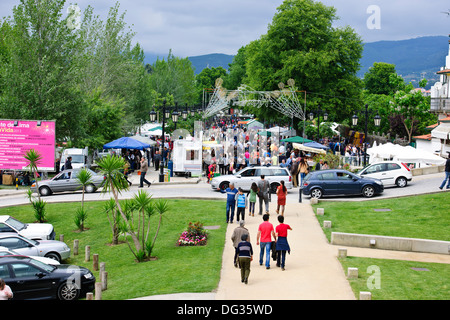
(84, 178)
(111, 167)
(34, 158)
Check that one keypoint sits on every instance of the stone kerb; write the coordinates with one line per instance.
(390, 243)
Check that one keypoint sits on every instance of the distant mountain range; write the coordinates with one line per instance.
(413, 58)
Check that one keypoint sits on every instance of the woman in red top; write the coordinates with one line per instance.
(282, 244)
(281, 202)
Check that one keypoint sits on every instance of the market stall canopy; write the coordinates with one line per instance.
(308, 149)
(296, 139)
(126, 143)
(406, 154)
(315, 145)
(254, 124)
(442, 131)
(144, 139)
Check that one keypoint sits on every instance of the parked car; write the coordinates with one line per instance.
(245, 177)
(35, 231)
(66, 181)
(8, 252)
(389, 172)
(30, 279)
(52, 249)
(339, 182)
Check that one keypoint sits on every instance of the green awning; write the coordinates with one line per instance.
(296, 139)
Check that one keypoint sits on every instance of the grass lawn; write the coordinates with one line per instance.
(177, 269)
(397, 281)
(423, 217)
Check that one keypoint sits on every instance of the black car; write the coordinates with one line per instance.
(30, 279)
(339, 182)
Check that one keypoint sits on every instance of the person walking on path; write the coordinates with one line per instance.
(144, 168)
(264, 239)
(231, 201)
(294, 172)
(263, 194)
(282, 244)
(245, 257)
(447, 174)
(303, 169)
(236, 237)
(241, 203)
(281, 201)
(252, 199)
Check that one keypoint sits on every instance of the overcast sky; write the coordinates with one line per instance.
(197, 27)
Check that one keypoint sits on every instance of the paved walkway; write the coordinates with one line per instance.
(313, 271)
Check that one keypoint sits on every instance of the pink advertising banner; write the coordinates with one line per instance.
(19, 136)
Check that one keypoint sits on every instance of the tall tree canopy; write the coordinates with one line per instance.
(301, 43)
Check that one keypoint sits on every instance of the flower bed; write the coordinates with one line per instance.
(194, 236)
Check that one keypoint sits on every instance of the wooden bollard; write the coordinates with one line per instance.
(61, 237)
(87, 254)
(75, 247)
(98, 291)
(95, 260)
(104, 280)
(89, 296)
(102, 268)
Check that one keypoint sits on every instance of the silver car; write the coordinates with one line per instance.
(245, 177)
(52, 249)
(66, 181)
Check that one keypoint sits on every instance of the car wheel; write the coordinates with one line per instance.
(273, 187)
(316, 193)
(224, 185)
(90, 188)
(401, 182)
(54, 256)
(45, 191)
(68, 291)
(368, 191)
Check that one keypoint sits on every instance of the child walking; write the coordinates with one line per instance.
(241, 202)
(252, 199)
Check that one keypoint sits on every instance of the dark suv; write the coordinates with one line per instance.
(339, 182)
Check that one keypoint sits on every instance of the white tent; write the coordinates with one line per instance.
(300, 146)
(389, 151)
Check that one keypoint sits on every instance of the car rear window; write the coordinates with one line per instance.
(392, 166)
(326, 176)
(279, 172)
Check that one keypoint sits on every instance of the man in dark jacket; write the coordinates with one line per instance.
(447, 174)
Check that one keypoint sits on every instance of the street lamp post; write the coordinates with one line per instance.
(165, 115)
(325, 118)
(377, 121)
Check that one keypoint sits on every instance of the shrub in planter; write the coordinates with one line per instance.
(195, 235)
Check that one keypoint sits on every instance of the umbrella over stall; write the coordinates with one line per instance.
(126, 143)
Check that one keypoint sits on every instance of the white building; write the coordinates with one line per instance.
(440, 92)
(438, 141)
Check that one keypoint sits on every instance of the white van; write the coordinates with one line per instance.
(79, 157)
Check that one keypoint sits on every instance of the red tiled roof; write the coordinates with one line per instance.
(424, 137)
(432, 126)
(443, 71)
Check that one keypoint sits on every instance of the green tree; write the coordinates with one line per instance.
(376, 80)
(207, 79)
(174, 76)
(410, 105)
(40, 76)
(301, 43)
